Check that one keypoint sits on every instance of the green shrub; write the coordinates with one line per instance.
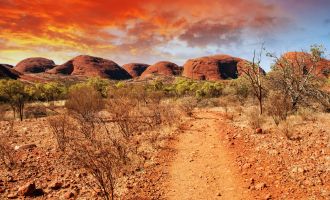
(14, 93)
(102, 85)
(210, 89)
(120, 84)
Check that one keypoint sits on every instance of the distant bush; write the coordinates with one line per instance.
(50, 91)
(210, 89)
(120, 84)
(186, 87)
(36, 111)
(100, 85)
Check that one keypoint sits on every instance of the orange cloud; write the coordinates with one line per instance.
(111, 27)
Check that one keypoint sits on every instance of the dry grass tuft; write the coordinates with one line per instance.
(255, 120)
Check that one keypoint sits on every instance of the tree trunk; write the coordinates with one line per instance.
(260, 100)
(260, 105)
(21, 111)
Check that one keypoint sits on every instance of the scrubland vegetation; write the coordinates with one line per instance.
(110, 128)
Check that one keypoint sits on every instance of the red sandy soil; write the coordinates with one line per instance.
(207, 157)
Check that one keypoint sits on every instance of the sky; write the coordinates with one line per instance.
(148, 31)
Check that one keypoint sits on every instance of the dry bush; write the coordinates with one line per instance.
(238, 110)
(228, 102)
(277, 106)
(60, 126)
(208, 102)
(114, 149)
(105, 156)
(84, 103)
(224, 104)
(7, 154)
(187, 105)
(36, 111)
(255, 120)
(170, 113)
(101, 160)
(307, 114)
(288, 129)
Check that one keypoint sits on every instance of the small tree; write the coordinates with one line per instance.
(254, 74)
(14, 92)
(296, 76)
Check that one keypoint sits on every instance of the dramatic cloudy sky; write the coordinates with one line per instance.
(152, 30)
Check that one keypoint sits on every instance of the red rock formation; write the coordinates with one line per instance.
(92, 66)
(6, 71)
(34, 65)
(162, 68)
(64, 69)
(135, 69)
(304, 61)
(215, 67)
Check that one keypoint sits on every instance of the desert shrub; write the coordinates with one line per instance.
(287, 127)
(84, 103)
(50, 91)
(169, 113)
(60, 127)
(255, 120)
(241, 89)
(114, 149)
(307, 114)
(277, 106)
(208, 102)
(36, 111)
(102, 162)
(186, 87)
(224, 104)
(187, 105)
(120, 84)
(157, 85)
(210, 89)
(7, 154)
(100, 85)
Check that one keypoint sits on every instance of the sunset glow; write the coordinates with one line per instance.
(151, 30)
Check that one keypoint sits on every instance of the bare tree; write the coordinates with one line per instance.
(254, 74)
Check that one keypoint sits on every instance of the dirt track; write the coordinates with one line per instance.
(203, 168)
